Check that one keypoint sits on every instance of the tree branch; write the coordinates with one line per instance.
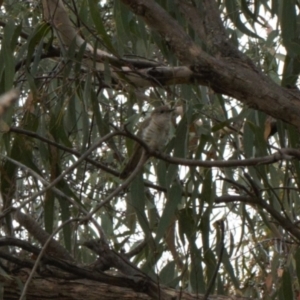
(230, 75)
(286, 223)
(61, 147)
(140, 283)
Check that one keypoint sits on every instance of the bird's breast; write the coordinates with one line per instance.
(155, 135)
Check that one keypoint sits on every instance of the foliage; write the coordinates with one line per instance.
(67, 105)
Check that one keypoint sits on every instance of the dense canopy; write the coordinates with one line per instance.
(213, 213)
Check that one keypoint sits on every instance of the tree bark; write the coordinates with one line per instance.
(230, 73)
(53, 288)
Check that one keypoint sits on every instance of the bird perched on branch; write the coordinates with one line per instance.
(154, 131)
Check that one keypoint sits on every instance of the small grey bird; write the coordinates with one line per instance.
(154, 131)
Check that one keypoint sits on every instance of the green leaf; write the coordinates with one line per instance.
(287, 285)
(123, 18)
(173, 199)
(35, 38)
(207, 194)
(288, 21)
(228, 266)
(49, 211)
(66, 215)
(297, 260)
(233, 13)
(7, 57)
(275, 7)
(137, 195)
(248, 140)
(210, 261)
(248, 13)
(102, 31)
(291, 41)
(161, 171)
(167, 273)
(187, 225)
(220, 125)
(291, 67)
(181, 138)
(196, 275)
(102, 124)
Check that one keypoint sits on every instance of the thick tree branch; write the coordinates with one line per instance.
(158, 19)
(111, 259)
(54, 247)
(194, 17)
(141, 283)
(140, 72)
(217, 39)
(231, 76)
(46, 288)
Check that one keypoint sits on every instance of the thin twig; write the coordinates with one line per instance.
(44, 181)
(281, 154)
(43, 250)
(64, 148)
(138, 168)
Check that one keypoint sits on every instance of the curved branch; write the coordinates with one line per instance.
(217, 39)
(194, 17)
(159, 20)
(232, 75)
(53, 247)
(109, 258)
(282, 154)
(64, 148)
(124, 185)
(286, 223)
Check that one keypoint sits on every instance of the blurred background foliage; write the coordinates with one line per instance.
(65, 106)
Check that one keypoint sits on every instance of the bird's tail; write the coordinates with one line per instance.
(132, 163)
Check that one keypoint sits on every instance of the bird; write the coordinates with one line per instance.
(154, 131)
